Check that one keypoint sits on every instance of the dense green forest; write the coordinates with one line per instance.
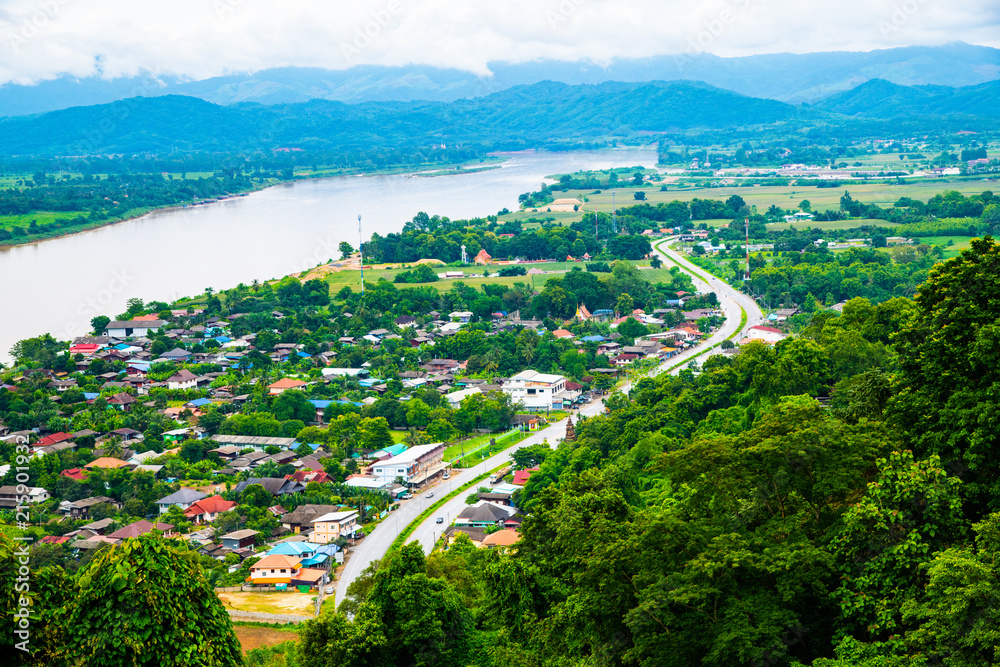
(545, 114)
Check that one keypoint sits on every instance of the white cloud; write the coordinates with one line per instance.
(40, 39)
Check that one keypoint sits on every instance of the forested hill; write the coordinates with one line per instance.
(526, 115)
(879, 98)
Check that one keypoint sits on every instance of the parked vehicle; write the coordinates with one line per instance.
(407, 496)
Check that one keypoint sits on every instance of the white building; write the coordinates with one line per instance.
(455, 398)
(537, 391)
(132, 328)
(415, 466)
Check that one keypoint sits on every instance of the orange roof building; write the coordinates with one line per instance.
(106, 462)
(483, 257)
(281, 385)
(502, 539)
(275, 569)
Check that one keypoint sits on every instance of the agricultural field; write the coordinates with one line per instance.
(256, 636)
(829, 224)
(786, 197)
(959, 243)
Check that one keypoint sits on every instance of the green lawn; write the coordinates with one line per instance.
(959, 243)
(352, 279)
(41, 217)
(829, 224)
(458, 448)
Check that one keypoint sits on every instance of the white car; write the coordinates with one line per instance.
(429, 495)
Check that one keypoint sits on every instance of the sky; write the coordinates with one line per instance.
(197, 39)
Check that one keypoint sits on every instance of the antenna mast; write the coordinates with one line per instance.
(361, 255)
(614, 215)
(747, 223)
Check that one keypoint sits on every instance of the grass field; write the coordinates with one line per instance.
(352, 279)
(959, 243)
(828, 224)
(786, 197)
(397, 436)
(302, 604)
(256, 636)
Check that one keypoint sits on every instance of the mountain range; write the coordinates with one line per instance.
(542, 114)
(787, 77)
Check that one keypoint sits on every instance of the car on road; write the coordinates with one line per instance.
(440, 519)
(429, 495)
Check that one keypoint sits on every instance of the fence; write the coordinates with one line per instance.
(263, 617)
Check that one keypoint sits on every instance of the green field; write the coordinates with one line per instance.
(352, 279)
(959, 243)
(41, 217)
(786, 197)
(829, 224)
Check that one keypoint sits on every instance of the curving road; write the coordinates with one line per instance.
(377, 543)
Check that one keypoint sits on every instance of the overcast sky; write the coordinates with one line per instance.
(201, 38)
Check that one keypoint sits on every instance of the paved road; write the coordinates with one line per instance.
(377, 543)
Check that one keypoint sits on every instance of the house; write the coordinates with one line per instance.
(11, 497)
(460, 316)
(240, 539)
(536, 391)
(455, 398)
(81, 508)
(283, 384)
(276, 569)
(521, 476)
(608, 348)
(563, 333)
(624, 359)
(273, 485)
(415, 466)
(484, 515)
(502, 539)
(132, 328)
(207, 509)
(79, 474)
(99, 527)
(334, 525)
(769, 335)
(106, 462)
(182, 379)
(122, 401)
(303, 516)
(406, 321)
(53, 439)
(183, 498)
(142, 527)
(255, 442)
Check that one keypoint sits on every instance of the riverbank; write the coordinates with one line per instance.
(10, 222)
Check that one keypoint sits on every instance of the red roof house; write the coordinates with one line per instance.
(79, 474)
(207, 509)
(521, 476)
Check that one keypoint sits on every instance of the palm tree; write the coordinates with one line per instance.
(414, 437)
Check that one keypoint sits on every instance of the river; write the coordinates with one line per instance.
(57, 286)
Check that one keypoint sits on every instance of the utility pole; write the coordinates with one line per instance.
(361, 256)
(747, 223)
(614, 215)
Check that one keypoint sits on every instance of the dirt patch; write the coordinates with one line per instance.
(253, 636)
(302, 604)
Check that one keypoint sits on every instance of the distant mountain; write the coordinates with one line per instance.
(787, 77)
(522, 116)
(882, 99)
